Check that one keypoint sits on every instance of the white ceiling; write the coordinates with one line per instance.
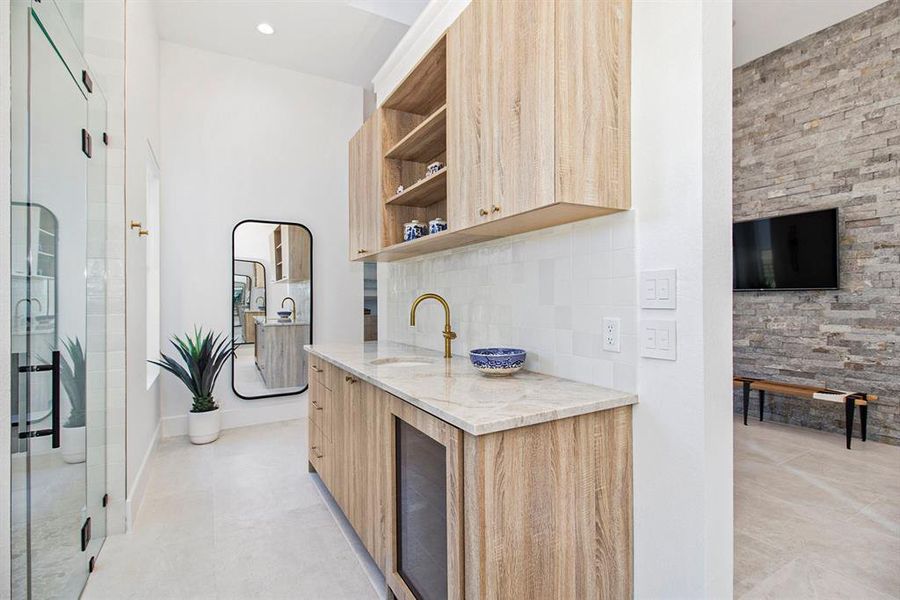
(346, 40)
(762, 26)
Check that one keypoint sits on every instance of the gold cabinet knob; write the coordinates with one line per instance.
(143, 232)
(135, 225)
(361, 251)
(482, 212)
(316, 405)
(316, 452)
(349, 379)
(495, 208)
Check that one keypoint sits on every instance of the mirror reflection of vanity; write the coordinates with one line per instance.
(271, 308)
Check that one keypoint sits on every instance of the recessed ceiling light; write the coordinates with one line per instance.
(265, 29)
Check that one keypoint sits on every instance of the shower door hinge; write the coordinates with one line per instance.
(105, 500)
(91, 565)
(86, 142)
(88, 83)
(85, 534)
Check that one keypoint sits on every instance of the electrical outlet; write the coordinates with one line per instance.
(612, 338)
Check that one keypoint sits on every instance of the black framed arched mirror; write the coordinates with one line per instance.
(271, 307)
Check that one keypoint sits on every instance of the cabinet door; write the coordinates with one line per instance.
(379, 462)
(425, 558)
(358, 434)
(593, 46)
(500, 111)
(365, 190)
(339, 444)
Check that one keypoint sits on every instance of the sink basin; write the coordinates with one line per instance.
(402, 361)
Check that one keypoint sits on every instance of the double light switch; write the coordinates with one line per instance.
(658, 289)
(657, 336)
(658, 339)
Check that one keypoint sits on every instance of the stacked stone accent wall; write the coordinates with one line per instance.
(817, 125)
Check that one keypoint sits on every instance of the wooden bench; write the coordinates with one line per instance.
(850, 399)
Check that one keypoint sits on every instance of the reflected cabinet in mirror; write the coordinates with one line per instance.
(271, 308)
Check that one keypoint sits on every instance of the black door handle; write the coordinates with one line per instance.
(54, 399)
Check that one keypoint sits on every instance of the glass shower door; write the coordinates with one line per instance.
(58, 324)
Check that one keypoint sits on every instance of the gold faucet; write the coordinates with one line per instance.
(449, 335)
(293, 307)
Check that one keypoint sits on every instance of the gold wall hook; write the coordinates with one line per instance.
(143, 232)
(135, 225)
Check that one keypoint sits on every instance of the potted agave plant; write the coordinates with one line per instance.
(203, 356)
(73, 376)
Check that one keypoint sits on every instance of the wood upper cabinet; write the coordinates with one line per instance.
(537, 107)
(500, 110)
(365, 189)
(290, 248)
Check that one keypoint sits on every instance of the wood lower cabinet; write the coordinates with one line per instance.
(538, 512)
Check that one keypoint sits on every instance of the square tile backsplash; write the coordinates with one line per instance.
(546, 292)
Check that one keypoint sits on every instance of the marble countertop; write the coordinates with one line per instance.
(276, 322)
(456, 393)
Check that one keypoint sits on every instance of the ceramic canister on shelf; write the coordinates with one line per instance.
(437, 225)
(413, 230)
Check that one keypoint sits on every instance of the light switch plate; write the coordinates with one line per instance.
(659, 289)
(658, 339)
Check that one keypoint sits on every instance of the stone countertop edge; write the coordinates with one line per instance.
(609, 398)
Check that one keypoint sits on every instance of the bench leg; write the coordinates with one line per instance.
(746, 399)
(762, 403)
(849, 409)
(863, 417)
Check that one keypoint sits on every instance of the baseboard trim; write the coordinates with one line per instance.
(135, 497)
(177, 425)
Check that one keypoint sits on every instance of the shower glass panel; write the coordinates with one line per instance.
(58, 325)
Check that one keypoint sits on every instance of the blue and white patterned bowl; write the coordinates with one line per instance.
(497, 361)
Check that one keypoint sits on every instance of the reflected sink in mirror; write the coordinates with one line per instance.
(402, 361)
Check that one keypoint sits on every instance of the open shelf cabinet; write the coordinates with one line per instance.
(413, 136)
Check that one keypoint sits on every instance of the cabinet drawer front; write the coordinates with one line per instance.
(322, 372)
(320, 407)
(320, 453)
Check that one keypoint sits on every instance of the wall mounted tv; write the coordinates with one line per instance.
(790, 252)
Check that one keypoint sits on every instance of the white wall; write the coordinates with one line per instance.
(141, 134)
(681, 173)
(243, 140)
(681, 178)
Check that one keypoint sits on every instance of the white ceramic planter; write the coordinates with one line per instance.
(204, 427)
(72, 444)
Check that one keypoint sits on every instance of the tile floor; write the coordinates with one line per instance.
(241, 518)
(813, 519)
